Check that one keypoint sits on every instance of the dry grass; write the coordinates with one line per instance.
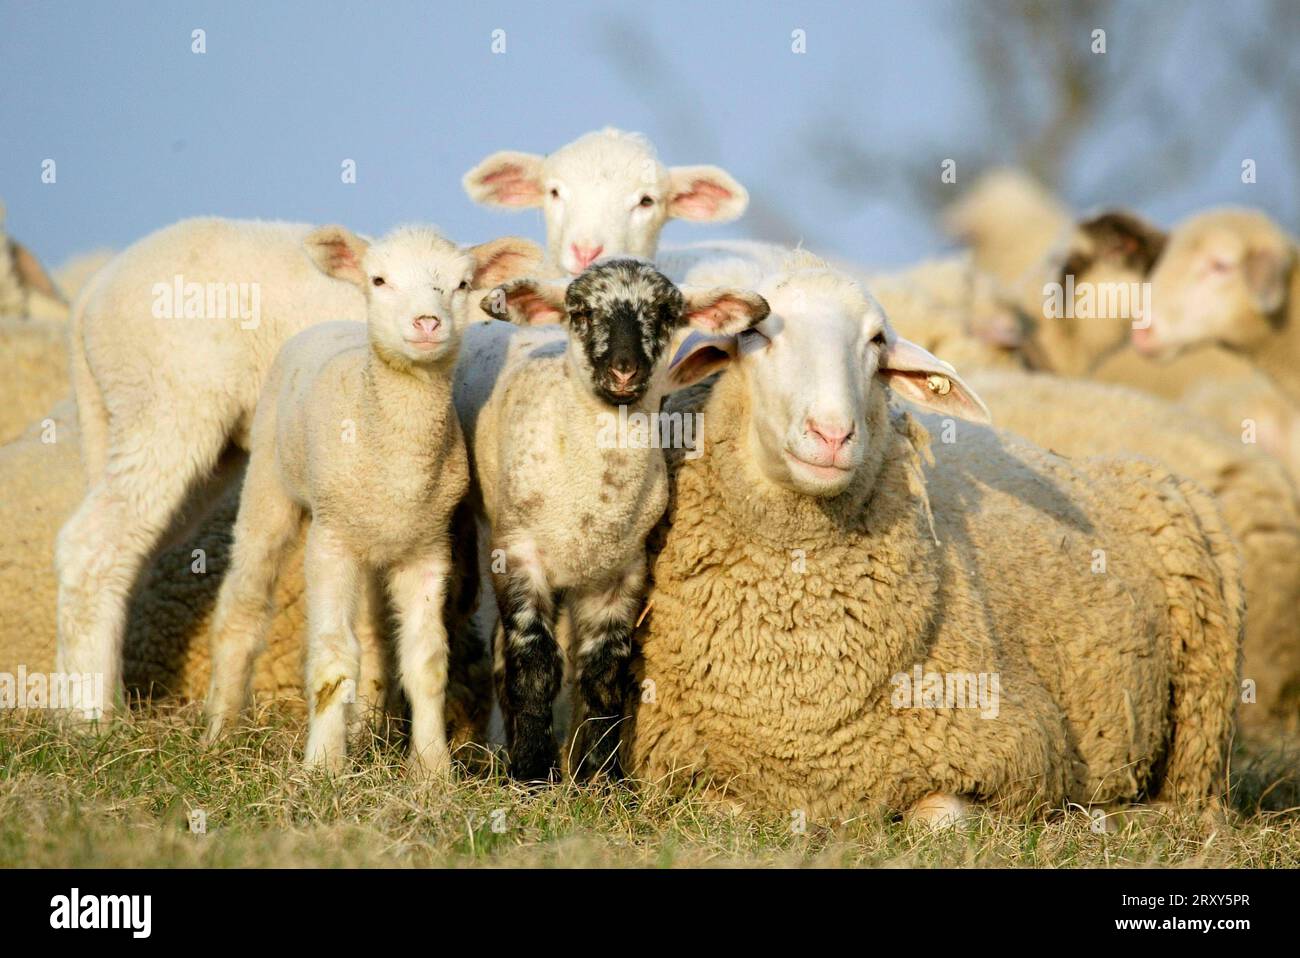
(121, 798)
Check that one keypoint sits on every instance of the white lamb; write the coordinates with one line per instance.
(356, 427)
(569, 498)
(605, 194)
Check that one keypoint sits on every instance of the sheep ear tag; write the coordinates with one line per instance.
(699, 355)
(923, 378)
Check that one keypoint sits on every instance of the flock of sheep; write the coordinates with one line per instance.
(849, 593)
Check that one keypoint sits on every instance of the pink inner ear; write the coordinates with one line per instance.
(511, 185)
(704, 198)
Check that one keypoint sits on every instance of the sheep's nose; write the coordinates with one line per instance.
(623, 377)
(832, 437)
(426, 325)
(585, 255)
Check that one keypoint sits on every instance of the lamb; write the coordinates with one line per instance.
(604, 194)
(817, 582)
(566, 499)
(1258, 501)
(169, 348)
(25, 287)
(365, 439)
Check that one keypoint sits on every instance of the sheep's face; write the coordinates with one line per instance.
(417, 284)
(624, 318)
(605, 194)
(1223, 278)
(813, 370)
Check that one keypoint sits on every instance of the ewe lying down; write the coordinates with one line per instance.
(823, 553)
(568, 512)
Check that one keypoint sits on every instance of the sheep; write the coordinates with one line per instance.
(604, 194)
(169, 348)
(356, 428)
(567, 499)
(1009, 221)
(25, 287)
(816, 576)
(1258, 500)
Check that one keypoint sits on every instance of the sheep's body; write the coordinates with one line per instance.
(1258, 501)
(772, 668)
(36, 371)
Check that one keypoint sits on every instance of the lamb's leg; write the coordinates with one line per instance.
(533, 668)
(104, 545)
(372, 689)
(419, 591)
(333, 581)
(603, 622)
(267, 522)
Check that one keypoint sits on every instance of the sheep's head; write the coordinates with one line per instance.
(624, 318)
(1087, 293)
(1224, 278)
(813, 370)
(417, 283)
(605, 194)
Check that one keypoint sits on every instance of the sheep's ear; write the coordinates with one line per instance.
(502, 260)
(507, 178)
(1266, 270)
(704, 193)
(1124, 238)
(919, 376)
(31, 273)
(527, 302)
(338, 252)
(699, 355)
(723, 310)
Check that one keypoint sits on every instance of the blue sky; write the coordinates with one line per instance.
(145, 132)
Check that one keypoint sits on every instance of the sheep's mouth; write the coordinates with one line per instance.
(825, 471)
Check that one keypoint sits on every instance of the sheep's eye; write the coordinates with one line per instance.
(377, 280)
(555, 194)
(464, 284)
(879, 338)
(647, 200)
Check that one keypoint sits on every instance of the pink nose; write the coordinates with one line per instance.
(426, 325)
(585, 255)
(831, 438)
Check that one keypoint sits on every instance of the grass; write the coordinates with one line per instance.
(123, 798)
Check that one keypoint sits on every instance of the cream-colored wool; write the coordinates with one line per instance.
(772, 678)
(35, 370)
(1257, 498)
